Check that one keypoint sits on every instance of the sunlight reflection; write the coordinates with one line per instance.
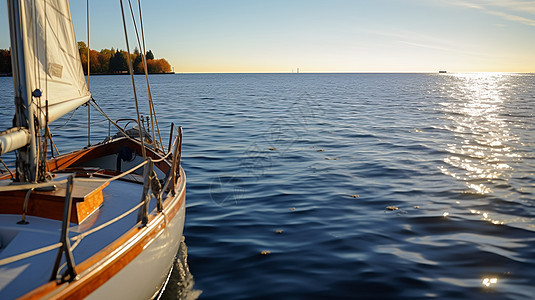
(486, 217)
(489, 281)
(482, 154)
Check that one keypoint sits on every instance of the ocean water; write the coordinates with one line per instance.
(330, 186)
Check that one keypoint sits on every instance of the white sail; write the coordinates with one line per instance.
(51, 58)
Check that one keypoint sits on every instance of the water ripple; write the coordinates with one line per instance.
(369, 186)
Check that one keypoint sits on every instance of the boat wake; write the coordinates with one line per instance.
(181, 282)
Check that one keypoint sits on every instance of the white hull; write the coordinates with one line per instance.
(137, 280)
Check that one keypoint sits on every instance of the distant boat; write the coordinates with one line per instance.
(102, 222)
(442, 72)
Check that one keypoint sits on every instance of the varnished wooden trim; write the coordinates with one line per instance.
(49, 204)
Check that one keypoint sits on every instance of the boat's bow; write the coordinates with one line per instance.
(121, 237)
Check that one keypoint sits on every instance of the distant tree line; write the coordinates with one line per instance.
(105, 62)
(5, 61)
(116, 61)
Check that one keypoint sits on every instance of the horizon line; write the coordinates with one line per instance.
(358, 72)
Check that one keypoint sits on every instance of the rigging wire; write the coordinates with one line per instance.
(68, 120)
(97, 107)
(144, 66)
(43, 166)
(5, 166)
(152, 111)
(88, 48)
(151, 103)
(47, 133)
(35, 46)
(40, 138)
(88, 77)
(147, 77)
(130, 68)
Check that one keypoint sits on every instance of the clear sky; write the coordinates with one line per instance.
(323, 35)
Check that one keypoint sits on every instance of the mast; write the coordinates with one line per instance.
(27, 158)
(48, 79)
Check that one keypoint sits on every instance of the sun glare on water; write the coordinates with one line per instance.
(484, 142)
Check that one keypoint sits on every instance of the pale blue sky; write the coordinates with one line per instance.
(323, 36)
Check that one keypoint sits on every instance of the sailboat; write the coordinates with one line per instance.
(100, 222)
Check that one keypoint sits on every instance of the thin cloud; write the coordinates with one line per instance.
(512, 10)
(515, 5)
(427, 46)
(419, 40)
(510, 17)
(441, 48)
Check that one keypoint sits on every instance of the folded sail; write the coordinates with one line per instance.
(51, 58)
(13, 139)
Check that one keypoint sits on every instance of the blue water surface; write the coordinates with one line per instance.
(329, 186)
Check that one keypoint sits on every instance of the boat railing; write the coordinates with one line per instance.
(150, 182)
(79, 237)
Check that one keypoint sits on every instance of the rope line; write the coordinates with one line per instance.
(115, 177)
(77, 238)
(84, 234)
(5, 166)
(97, 107)
(28, 186)
(21, 256)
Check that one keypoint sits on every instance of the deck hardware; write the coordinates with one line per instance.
(143, 213)
(25, 208)
(175, 165)
(156, 188)
(64, 238)
(179, 151)
(170, 137)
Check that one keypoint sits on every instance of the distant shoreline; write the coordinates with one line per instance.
(98, 74)
(126, 73)
(297, 74)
